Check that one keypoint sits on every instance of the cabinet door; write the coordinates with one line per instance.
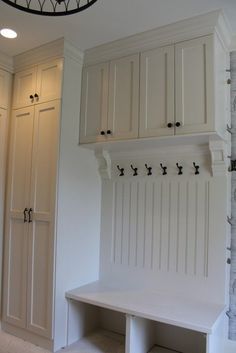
(16, 231)
(41, 231)
(194, 85)
(94, 103)
(5, 83)
(157, 92)
(24, 87)
(123, 111)
(49, 81)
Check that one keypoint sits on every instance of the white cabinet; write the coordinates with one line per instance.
(5, 82)
(94, 103)
(38, 84)
(110, 101)
(157, 92)
(123, 110)
(48, 179)
(194, 85)
(30, 218)
(178, 93)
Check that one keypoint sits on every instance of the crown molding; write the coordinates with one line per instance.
(201, 25)
(59, 48)
(6, 62)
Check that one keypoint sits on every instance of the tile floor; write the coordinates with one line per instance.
(11, 344)
(98, 342)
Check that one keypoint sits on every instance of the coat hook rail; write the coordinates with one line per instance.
(149, 170)
(164, 169)
(121, 170)
(180, 168)
(135, 170)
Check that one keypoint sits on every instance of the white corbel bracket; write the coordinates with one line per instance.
(219, 160)
(104, 163)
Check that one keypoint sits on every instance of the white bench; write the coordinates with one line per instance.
(144, 309)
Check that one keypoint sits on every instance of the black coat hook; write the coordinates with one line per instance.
(149, 170)
(180, 169)
(196, 168)
(135, 170)
(164, 169)
(121, 170)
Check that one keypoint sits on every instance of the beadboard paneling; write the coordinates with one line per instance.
(161, 225)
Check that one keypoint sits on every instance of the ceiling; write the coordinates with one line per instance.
(105, 21)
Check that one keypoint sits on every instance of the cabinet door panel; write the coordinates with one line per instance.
(5, 85)
(49, 81)
(24, 86)
(157, 92)
(15, 269)
(194, 85)
(41, 234)
(123, 112)
(94, 103)
(15, 278)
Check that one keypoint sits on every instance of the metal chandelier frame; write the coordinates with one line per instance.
(51, 7)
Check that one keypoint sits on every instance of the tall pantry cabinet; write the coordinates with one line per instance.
(32, 230)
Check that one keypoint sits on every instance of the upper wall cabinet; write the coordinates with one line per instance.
(5, 80)
(157, 92)
(38, 84)
(176, 91)
(194, 85)
(110, 101)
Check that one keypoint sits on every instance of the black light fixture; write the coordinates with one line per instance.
(51, 7)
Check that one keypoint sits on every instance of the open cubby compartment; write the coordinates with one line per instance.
(147, 336)
(95, 329)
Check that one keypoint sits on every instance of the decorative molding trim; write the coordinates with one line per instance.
(56, 49)
(210, 23)
(104, 164)
(6, 62)
(218, 150)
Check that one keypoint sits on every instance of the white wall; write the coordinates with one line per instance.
(79, 190)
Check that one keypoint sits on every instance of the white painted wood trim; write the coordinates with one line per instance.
(6, 62)
(194, 27)
(57, 49)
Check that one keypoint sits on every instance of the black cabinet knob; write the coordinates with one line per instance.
(108, 132)
(169, 125)
(36, 95)
(177, 124)
(102, 133)
(31, 96)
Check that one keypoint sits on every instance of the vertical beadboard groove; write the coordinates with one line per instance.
(144, 223)
(177, 247)
(187, 220)
(122, 224)
(152, 231)
(206, 236)
(169, 229)
(129, 226)
(137, 211)
(114, 201)
(161, 225)
(196, 228)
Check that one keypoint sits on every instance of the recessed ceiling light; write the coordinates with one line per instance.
(8, 33)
